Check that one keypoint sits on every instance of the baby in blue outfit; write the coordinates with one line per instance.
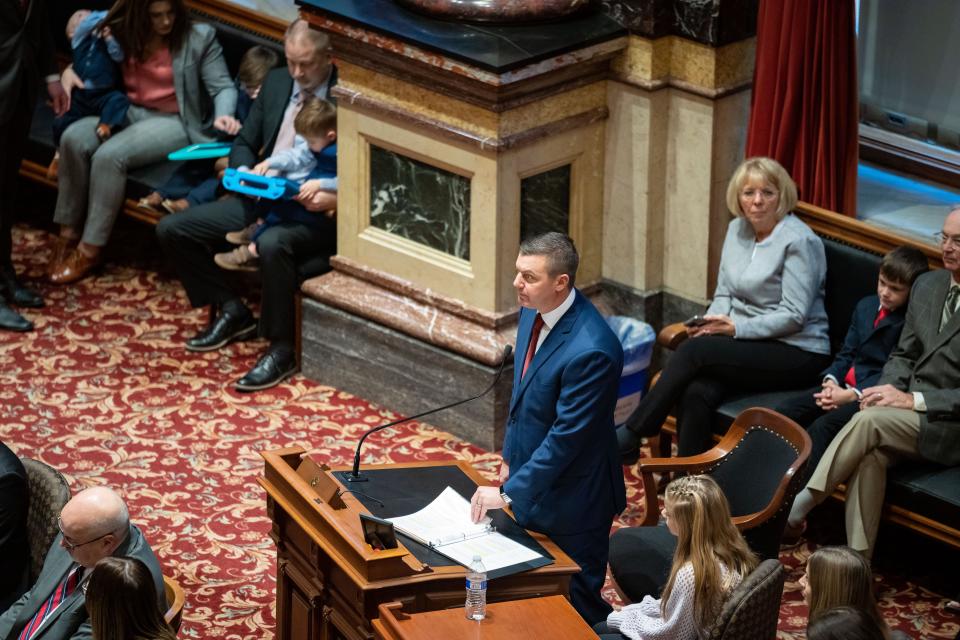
(96, 56)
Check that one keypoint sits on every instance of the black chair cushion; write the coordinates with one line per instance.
(749, 485)
(851, 275)
(928, 489)
(640, 559)
(736, 403)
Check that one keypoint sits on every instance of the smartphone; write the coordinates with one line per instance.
(695, 321)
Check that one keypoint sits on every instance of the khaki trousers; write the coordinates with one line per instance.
(874, 439)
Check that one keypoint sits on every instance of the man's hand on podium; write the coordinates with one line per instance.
(483, 499)
(504, 472)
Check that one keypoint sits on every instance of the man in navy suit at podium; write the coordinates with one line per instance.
(561, 473)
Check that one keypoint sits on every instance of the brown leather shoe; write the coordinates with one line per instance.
(75, 267)
(61, 249)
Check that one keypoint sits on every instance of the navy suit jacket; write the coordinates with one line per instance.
(561, 445)
(866, 348)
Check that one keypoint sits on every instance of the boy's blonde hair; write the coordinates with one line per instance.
(706, 538)
(316, 118)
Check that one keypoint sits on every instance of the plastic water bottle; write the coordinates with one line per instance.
(476, 606)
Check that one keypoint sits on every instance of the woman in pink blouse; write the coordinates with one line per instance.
(179, 87)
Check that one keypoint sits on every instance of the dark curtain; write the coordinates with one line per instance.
(804, 110)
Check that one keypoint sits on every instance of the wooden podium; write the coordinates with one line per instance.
(330, 582)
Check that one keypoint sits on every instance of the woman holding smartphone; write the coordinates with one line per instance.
(766, 328)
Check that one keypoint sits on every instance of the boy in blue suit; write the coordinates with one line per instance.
(874, 332)
(561, 472)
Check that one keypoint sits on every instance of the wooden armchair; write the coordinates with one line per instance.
(758, 465)
(175, 598)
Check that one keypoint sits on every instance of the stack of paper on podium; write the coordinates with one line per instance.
(399, 490)
(445, 526)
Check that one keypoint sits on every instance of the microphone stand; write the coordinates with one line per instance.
(355, 473)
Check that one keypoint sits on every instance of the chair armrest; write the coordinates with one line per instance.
(691, 464)
(672, 335)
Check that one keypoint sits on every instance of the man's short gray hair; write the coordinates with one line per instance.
(561, 253)
(300, 29)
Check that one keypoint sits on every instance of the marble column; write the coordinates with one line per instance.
(454, 140)
(679, 102)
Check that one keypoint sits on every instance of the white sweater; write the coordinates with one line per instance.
(644, 620)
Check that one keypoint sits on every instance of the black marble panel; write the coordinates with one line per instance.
(545, 202)
(497, 48)
(420, 202)
(713, 22)
(648, 18)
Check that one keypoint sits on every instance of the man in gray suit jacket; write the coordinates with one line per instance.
(912, 413)
(93, 525)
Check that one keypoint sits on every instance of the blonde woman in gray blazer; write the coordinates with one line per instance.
(767, 326)
(92, 171)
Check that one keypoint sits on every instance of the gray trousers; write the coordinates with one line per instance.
(873, 440)
(93, 176)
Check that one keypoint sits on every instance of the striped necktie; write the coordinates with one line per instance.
(63, 591)
(950, 306)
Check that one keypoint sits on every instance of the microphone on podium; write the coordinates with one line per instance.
(355, 473)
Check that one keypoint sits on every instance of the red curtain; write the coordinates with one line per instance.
(804, 111)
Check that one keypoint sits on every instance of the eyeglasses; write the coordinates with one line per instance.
(69, 546)
(766, 194)
(947, 241)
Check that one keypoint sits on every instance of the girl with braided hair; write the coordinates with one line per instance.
(710, 560)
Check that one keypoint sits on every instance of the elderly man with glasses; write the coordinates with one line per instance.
(93, 525)
(912, 413)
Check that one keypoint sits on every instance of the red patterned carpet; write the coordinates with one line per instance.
(104, 391)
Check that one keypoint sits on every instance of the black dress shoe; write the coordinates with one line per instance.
(226, 328)
(18, 294)
(271, 369)
(628, 443)
(13, 321)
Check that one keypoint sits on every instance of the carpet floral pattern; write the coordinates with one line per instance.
(104, 391)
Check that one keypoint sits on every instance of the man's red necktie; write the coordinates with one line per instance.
(63, 591)
(532, 347)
